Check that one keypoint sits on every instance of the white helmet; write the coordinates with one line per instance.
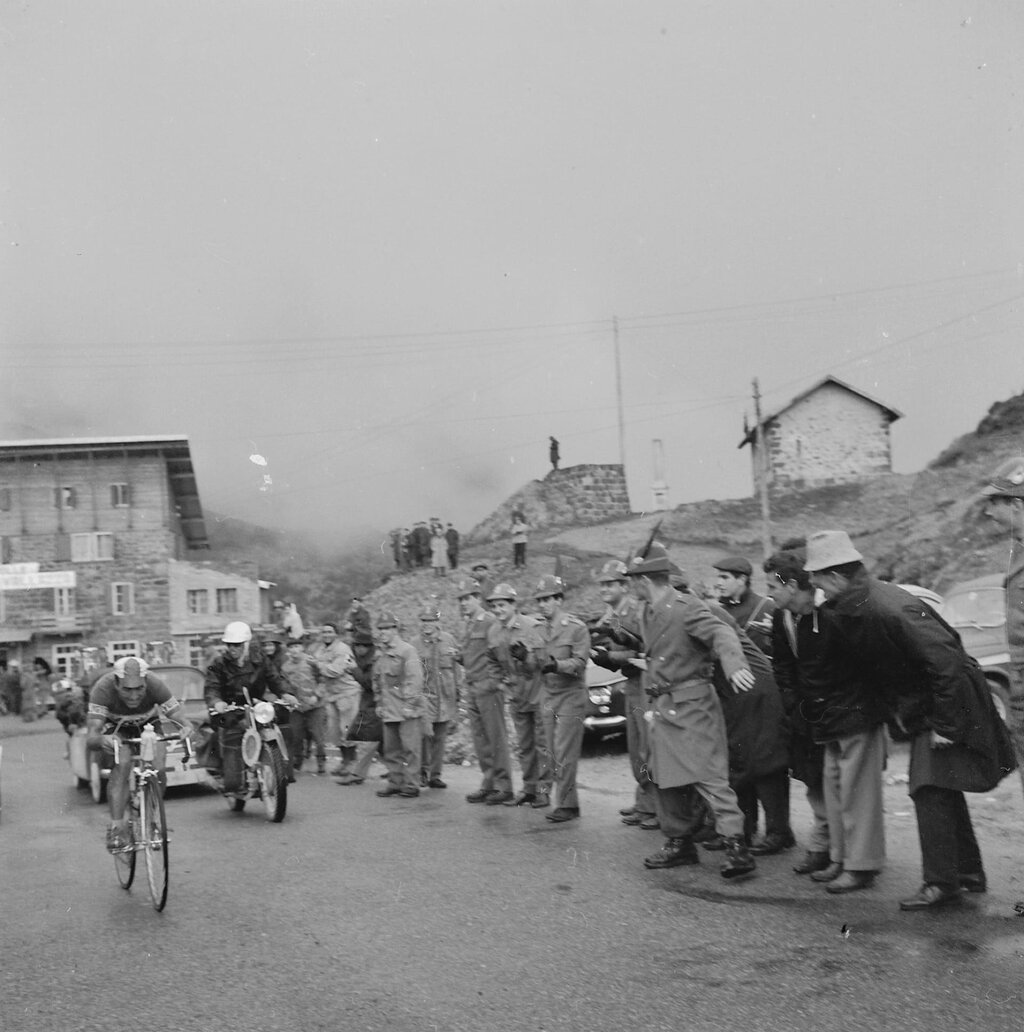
(236, 633)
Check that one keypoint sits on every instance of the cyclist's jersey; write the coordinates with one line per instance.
(105, 701)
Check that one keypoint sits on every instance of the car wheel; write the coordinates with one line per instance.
(1000, 698)
(97, 783)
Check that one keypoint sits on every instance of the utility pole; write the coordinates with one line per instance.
(618, 393)
(762, 451)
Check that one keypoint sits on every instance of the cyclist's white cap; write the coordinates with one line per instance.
(131, 671)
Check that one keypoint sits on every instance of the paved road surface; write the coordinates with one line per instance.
(359, 913)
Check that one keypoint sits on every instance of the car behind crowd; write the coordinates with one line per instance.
(186, 684)
(605, 712)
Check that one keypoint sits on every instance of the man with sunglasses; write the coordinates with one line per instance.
(121, 703)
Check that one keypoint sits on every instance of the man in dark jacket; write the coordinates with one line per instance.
(753, 612)
(939, 700)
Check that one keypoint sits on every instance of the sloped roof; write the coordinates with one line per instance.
(892, 413)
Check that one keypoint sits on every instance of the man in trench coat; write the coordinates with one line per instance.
(939, 700)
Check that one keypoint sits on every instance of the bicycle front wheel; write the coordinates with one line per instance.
(154, 832)
(124, 864)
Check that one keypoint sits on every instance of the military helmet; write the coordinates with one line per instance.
(549, 585)
(386, 619)
(467, 587)
(430, 614)
(613, 570)
(1007, 481)
(503, 592)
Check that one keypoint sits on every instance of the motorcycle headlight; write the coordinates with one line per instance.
(263, 712)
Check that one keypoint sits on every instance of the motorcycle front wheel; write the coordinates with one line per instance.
(273, 782)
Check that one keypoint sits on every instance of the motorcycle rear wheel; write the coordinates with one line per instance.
(273, 782)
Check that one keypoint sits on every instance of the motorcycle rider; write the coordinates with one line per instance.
(241, 666)
(120, 704)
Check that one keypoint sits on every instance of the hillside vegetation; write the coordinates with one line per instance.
(921, 528)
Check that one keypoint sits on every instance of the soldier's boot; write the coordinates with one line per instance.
(738, 862)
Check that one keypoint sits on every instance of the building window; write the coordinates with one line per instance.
(63, 601)
(122, 598)
(120, 496)
(67, 660)
(198, 601)
(64, 498)
(88, 547)
(118, 649)
(227, 600)
(5, 499)
(195, 652)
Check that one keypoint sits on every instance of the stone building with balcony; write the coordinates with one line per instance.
(104, 553)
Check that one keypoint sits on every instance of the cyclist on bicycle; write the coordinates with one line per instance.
(243, 665)
(121, 703)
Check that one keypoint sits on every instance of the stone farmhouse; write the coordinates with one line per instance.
(102, 543)
(832, 433)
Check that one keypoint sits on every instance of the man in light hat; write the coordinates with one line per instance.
(398, 689)
(484, 699)
(688, 743)
(616, 640)
(562, 658)
(753, 612)
(1004, 506)
(514, 637)
(120, 704)
(939, 700)
(437, 650)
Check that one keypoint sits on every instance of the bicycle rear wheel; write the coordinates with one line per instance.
(154, 837)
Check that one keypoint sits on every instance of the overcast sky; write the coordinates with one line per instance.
(382, 244)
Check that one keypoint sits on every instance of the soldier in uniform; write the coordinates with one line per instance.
(616, 640)
(514, 635)
(484, 702)
(687, 731)
(437, 651)
(562, 658)
(398, 689)
(753, 612)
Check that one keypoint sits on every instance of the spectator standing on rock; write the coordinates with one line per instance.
(553, 454)
(515, 637)
(520, 531)
(438, 653)
(562, 659)
(398, 690)
(420, 544)
(439, 552)
(451, 536)
(753, 612)
(484, 700)
(358, 616)
(940, 701)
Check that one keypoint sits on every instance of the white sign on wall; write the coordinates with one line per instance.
(27, 581)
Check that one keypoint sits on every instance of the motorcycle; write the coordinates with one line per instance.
(264, 756)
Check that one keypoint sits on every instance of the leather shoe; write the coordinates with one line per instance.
(521, 800)
(479, 796)
(650, 823)
(975, 882)
(828, 874)
(929, 896)
(677, 852)
(812, 861)
(774, 842)
(541, 801)
(633, 819)
(851, 881)
(714, 845)
(437, 783)
(563, 814)
(497, 798)
(388, 790)
(627, 810)
(410, 792)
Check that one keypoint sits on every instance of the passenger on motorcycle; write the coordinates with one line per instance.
(121, 703)
(243, 665)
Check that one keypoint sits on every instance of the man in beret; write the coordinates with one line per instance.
(753, 612)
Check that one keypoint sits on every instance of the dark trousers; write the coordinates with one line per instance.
(518, 553)
(948, 845)
(434, 739)
(307, 723)
(772, 792)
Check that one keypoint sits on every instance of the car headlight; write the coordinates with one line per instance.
(263, 712)
(600, 696)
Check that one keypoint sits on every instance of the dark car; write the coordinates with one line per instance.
(605, 713)
(977, 609)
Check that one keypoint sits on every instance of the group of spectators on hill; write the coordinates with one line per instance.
(427, 544)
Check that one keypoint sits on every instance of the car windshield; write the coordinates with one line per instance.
(982, 607)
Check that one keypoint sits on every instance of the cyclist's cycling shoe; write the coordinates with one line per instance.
(119, 839)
